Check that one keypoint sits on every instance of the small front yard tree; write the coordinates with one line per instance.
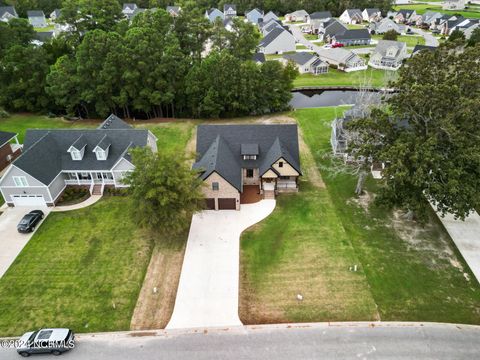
(165, 191)
(390, 35)
(428, 134)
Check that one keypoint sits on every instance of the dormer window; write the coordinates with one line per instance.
(101, 155)
(101, 150)
(76, 154)
(249, 157)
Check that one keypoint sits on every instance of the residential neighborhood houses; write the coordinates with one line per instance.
(7, 13)
(203, 171)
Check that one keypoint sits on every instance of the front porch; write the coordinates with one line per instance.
(95, 180)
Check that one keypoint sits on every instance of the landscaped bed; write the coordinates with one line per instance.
(73, 195)
(308, 245)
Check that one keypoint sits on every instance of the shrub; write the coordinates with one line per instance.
(4, 114)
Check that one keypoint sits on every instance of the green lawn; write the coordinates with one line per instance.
(310, 37)
(340, 78)
(83, 269)
(422, 8)
(45, 29)
(302, 248)
(419, 276)
(410, 40)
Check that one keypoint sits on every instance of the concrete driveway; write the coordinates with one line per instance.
(207, 294)
(12, 242)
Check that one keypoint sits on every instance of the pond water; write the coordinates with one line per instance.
(319, 98)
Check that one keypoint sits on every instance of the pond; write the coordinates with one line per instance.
(328, 97)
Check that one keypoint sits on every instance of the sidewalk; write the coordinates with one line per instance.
(466, 236)
(90, 201)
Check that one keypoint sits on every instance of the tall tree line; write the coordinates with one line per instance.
(279, 6)
(153, 67)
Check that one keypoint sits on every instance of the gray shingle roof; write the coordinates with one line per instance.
(352, 34)
(372, 11)
(45, 151)
(320, 15)
(35, 13)
(114, 122)
(5, 137)
(271, 36)
(384, 45)
(300, 58)
(220, 147)
(8, 9)
(249, 149)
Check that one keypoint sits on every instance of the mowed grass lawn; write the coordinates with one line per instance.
(83, 269)
(410, 40)
(473, 12)
(373, 77)
(303, 249)
(414, 273)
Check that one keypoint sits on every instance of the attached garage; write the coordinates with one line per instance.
(28, 200)
(210, 204)
(227, 204)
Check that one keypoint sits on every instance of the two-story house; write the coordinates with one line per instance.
(237, 161)
(54, 159)
(388, 55)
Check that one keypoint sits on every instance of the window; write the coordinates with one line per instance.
(101, 155)
(20, 181)
(215, 186)
(280, 164)
(249, 157)
(76, 155)
(249, 173)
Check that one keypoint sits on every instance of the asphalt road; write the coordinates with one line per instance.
(303, 341)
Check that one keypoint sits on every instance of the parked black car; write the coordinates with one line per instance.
(29, 221)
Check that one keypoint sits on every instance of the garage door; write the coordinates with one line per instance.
(28, 200)
(210, 204)
(227, 204)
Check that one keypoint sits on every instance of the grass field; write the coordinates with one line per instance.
(334, 77)
(406, 272)
(410, 40)
(414, 273)
(84, 269)
(422, 8)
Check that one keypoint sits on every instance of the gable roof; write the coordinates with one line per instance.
(300, 58)
(5, 137)
(406, 13)
(320, 15)
(229, 7)
(272, 36)
(175, 9)
(299, 13)
(260, 12)
(354, 12)
(129, 6)
(8, 9)
(333, 27)
(270, 16)
(113, 122)
(220, 147)
(351, 34)
(56, 13)
(259, 57)
(372, 11)
(384, 45)
(45, 152)
(35, 13)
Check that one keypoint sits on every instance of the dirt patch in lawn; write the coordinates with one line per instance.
(157, 297)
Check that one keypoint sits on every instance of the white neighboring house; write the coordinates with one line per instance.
(55, 159)
(254, 16)
(270, 16)
(129, 10)
(297, 16)
(213, 14)
(7, 13)
(469, 31)
(36, 18)
(385, 25)
(230, 10)
(174, 11)
(372, 15)
(351, 16)
(453, 5)
(388, 55)
(306, 63)
(277, 41)
(55, 14)
(342, 59)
